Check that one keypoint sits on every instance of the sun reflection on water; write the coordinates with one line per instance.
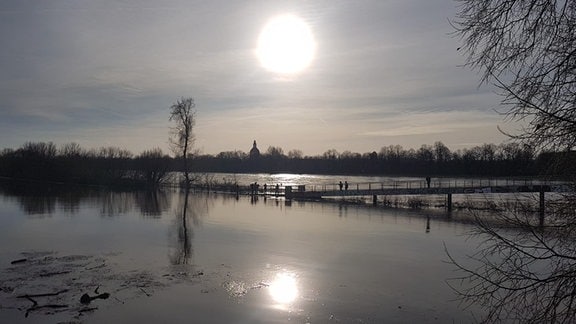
(284, 288)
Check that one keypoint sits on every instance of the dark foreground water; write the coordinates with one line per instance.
(221, 259)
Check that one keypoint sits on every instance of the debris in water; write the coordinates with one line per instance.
(86, 299)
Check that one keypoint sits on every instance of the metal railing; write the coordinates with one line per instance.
(422, 184)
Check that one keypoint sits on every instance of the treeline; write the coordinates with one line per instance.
(507, 159)
(71, 163)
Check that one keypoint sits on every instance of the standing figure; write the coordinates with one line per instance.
(428, 181)
(346, 185)
(340, 185)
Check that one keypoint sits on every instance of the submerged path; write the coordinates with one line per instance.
(408, 187)
(429, 187)
(303, 193)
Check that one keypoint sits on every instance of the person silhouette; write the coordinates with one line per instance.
(340, 185)
(346, 185)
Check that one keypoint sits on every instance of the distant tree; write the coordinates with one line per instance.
(473, 154)
(425, 153)
(38, 160)
(7, 151)
(295, 154)
(113, 152)
(41, 150)
(441, 152)
(275, 151)
(331, 154)
(240, 154)
(232, 155)
(509, 151)
(183, 114)
(488, 152)
(153, 166)
(389, 152)
(350, 155)
(70, 150)
(113, 166)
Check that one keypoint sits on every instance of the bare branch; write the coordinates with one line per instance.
(528, 50)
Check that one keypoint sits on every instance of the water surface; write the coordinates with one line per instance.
(229, 260)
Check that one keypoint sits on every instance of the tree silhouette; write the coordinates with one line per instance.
(525, 271)
(182, 113)
(528, 50)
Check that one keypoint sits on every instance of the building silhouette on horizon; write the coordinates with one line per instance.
(254, 152)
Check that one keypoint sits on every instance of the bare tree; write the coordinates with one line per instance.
(275, 151)
(71, 150)
(183, 114)
(441, 152)
(525, 271)
(295, 154)
(527, 48)
(152, 166)
(331, 154)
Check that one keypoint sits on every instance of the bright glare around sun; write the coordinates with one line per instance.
(284, 289)
(286, 45)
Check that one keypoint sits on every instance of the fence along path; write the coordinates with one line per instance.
(437, 187)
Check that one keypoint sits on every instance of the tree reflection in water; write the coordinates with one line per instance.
(152, 202)
(190, 207)
(45, 199)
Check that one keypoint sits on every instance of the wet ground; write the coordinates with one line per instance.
(39, 285)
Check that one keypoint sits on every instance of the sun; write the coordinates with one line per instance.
(286, 45)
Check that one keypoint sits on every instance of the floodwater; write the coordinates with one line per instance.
(214, 258)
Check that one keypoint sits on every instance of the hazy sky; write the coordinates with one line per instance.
(103, 73)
